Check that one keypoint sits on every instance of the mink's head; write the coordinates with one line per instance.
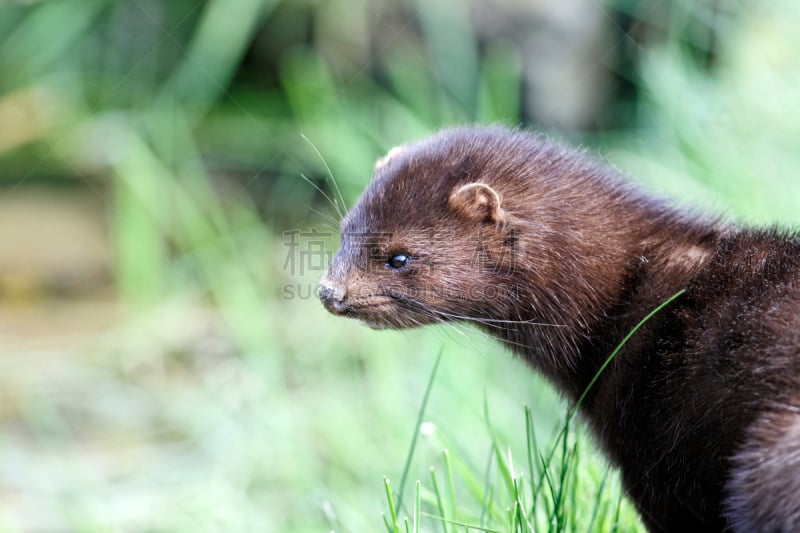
(481, 224)
(431, 238)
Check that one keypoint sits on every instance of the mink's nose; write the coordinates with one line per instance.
(332, 299)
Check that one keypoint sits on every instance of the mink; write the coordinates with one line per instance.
(559, 256)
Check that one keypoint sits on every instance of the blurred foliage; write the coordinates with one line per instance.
(216, 401)
(727, 141)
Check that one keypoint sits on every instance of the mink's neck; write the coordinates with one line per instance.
(592, 301)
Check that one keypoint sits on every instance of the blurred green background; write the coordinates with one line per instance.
(164, 174)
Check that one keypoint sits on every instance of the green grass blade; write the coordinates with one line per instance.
(450, 482)
(533, 451)
(521, 518)
(598, 499)
(558, 505)
(545, 480)
(439, 503)
(487, 487)
(420, 416)
(505, 473)
(615, 526)
(392, 511)
(611, 357)
(573, 488)
(417, 507)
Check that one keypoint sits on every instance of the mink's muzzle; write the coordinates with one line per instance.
(332, 299)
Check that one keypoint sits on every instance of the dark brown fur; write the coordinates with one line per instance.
(557, 256)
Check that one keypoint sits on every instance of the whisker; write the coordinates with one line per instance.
(328, 168)
(323, 193)
(498, 321)
(486, 335)
(326, 217)
(441, 317)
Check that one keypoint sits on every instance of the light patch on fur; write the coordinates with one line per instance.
(390, 155)
(688, 256)
(763, 484)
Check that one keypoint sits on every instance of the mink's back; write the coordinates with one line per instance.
(712, 363)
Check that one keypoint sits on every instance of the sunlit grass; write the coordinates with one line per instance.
(562, 491)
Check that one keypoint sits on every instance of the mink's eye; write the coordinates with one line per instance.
(397, 261)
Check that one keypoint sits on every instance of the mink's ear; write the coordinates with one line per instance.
(478, 201)
(392, 154)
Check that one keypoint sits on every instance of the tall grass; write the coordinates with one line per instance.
(559, 495)
(556, 485)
